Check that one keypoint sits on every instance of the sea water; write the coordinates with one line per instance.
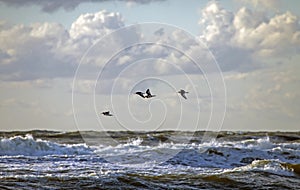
(149, 160)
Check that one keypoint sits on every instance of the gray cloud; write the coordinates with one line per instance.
(53, 5)
(18, 103)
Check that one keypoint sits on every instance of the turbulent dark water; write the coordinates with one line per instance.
(149, 160)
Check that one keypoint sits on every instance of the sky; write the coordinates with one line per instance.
(62, 63)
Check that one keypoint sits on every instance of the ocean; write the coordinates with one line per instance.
(149, 160)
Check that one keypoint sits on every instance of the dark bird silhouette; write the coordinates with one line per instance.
(182, 93)
(106, 113)
(140, 94)
(145, 95)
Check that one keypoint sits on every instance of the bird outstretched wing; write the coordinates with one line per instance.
(148, 92)
(183, 95)
(140, 94)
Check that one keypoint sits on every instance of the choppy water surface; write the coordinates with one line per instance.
(234, 160)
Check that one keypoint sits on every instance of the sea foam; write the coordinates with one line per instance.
(28, 146)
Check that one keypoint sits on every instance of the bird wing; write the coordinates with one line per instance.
(183, 95)
(140, 94)
(148, 92)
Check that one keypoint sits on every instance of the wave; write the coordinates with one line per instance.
(269, 166)
(227, 154)
(28, 146)
(214, 154)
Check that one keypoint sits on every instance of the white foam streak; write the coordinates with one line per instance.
(28, 146)
(270, 166)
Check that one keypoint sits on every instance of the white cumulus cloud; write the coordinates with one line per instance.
(240, 40)
(47, 50)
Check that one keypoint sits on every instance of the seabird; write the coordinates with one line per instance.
(145, 95)
(182, 93)
(106, 113)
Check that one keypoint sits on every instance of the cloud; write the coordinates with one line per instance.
(151, 55)
(48, 50)
(219, 30)
(241, 40)
(269, 90)
(273, 5)
(37, 83)
(236, 76)
(277, 36)
(32, 51)
(68, 5)
(95, 24)
(12, 102)
(84, 86)
(217, 24)
(159, 32)
(86, 30)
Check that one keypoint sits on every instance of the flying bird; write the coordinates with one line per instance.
(145, 95)
(182, 93)
(106, 113)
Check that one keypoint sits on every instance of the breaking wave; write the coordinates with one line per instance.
(28, 146)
